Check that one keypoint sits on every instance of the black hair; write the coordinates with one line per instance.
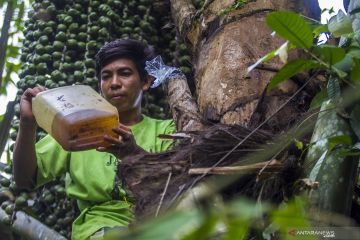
(124, 48)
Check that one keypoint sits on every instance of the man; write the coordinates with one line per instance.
(91, 175)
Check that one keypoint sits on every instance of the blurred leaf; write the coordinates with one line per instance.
(337, 140)
(1, 117)
(355, 120)
(299, 144)
(354, 52)
(290, 69)
(12, 51)
(345, 64)
(169, 226)
(341, 74)
(237, 228)
(356, 10)
(319, 29)
(292, 27)
(355, 72)
(329, 53)
(319, 98)
(340, 24)
(333, 88)
(289, 216)
(205, 229)
(20, 15)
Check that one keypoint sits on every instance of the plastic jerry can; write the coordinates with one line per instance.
(77, 117)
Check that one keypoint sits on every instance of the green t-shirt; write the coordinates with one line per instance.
(90, 176)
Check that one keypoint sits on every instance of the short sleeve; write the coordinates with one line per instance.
(52, 160)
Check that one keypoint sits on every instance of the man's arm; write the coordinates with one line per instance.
(24, 159)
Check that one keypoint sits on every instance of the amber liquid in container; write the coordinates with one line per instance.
(76, 116)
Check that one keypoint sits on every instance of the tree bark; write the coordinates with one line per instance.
(183, 107)
(5, 36)
(224, 47)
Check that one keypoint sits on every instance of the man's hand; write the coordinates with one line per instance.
(26, 115)
(122, 146)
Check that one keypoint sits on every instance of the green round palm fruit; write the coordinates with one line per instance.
(67, 67)
(40, 79)
(89, 63)
(50, 220)
(13, 136)
(21, 201)
(41, 68)
(10, 209)
(104, 21)
(48, 31)
(78, 65)
(60, 36)
(73, 27)
(58, 46)
(46, 58)
(5, 182)
(71, 44)
(81, 46)
(82, 36)
(56, 64)
(57, 56)
(39, 49)
(62, 28)
(49, 49)
(68, 20)
(44, 40)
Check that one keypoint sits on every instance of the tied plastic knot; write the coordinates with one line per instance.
(160, 71)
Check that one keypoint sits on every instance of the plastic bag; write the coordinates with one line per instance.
(160, 71)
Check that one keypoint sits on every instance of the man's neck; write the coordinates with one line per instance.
(130, 117)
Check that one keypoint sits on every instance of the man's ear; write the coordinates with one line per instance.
(147, 82)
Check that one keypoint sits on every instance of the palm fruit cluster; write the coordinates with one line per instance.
(61, 40)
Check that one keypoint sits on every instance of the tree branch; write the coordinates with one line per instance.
(183, 12)
(5, 36)
(183, 107)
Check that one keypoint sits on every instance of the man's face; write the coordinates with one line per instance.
(121, 84)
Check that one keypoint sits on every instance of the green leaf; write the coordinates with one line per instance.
(337, 140)
(284, 47)
(319, 98)
(319, 29)
(299, 144)
(289, 216)
(205, 229)
(290, 69)
(341, 74)
(236, 229)
(12, 51)
(345, 64)
(20, 15)
(292, 27)
(333, 88)
(1, 117)
(329, 53)
(355, 72)
(355, 120)
(340, 24)
(356, 10)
